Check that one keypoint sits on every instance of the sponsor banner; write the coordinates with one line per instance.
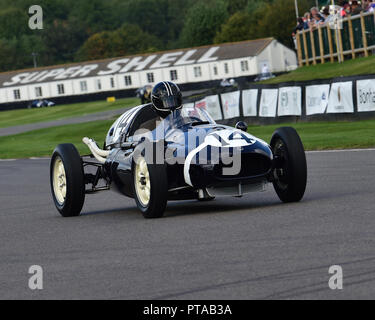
(250, 102)
(341, 98)
(268, 103)
(317, 99)
(212, 105)
(231, 104)
(290, 101)
(366, 95)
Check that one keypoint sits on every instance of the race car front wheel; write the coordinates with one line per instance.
(150, 188)
(290, 174)
(67, 180)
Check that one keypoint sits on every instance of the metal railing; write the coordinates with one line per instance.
(324, 43)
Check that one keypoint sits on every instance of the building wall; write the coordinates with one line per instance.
(278, 57)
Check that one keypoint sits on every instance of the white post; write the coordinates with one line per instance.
(296, 5)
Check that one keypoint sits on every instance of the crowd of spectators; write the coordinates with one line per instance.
(316, 17)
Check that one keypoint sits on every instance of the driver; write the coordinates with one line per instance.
(166, 98)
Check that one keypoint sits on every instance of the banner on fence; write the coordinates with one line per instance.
(366, 95)
(231, 104)
(212, 105)
(317, 99)
(268, 103)
(250, 102)
(290, 101)
(341, 98)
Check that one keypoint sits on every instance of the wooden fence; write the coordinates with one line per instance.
(356, 37)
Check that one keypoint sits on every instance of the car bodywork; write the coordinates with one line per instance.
(199, 156)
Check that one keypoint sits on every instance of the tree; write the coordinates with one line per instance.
(203, 21)
(127, 40)
(13, 23)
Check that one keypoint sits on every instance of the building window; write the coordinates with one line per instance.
(197, 72)
(60, 89)
(112, 83)
(226, 68)
(128, 80)
(83, 85)
(38, 92)
(215, 71)
(244, 66)
(174, 75)
(17, 94)
(150, 77)
(98, 84)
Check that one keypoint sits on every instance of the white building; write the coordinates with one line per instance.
(185, 66)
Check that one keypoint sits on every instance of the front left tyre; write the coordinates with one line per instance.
(67, 180)
(150, 188)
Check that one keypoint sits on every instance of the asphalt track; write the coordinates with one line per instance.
(249, 248)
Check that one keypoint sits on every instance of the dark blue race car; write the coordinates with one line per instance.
(183, 156)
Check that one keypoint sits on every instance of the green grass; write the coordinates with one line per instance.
(27, 116)
(358, 66)
(315, 136)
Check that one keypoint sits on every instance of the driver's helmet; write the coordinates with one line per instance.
(166, 97)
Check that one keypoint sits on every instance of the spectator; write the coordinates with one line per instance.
(325, 12)
(368, 6)
(355, 8)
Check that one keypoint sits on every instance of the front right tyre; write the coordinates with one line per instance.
(290, 174)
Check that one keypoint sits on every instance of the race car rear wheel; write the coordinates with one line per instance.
(290, 174)
(150, 188)
(67, 180)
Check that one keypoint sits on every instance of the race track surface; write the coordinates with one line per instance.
(249, 248)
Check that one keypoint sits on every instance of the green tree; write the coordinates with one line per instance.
(129, 39)
(203, 21)
(13, 23)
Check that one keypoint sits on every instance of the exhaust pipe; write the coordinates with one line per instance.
(98, 153)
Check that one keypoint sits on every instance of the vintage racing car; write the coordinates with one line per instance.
(165, 151)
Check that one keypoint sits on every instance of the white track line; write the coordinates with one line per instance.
(337, 151)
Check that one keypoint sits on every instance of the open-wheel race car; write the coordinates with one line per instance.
(165, 151)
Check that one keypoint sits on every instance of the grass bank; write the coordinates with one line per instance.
(315, 136)
(360, 66)
(27, 116)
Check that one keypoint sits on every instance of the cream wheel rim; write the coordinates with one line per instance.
(59, 181)
(142, 182)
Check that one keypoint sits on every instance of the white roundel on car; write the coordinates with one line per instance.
(229, 138)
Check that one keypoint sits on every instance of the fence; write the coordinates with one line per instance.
(357, 36)
(349, 98)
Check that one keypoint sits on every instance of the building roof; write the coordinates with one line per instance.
(126, 64)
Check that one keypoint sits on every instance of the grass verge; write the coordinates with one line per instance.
(360, 66)
(315, 136)
(27, 116)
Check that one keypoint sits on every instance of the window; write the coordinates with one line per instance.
(150, 77)
(60, 89)
(174, 75)
(128, 80)
(17, 94)
(226, 68)
(244, 66)
(215, 71)
(197, 72)
(83, 85)
(112, 82)
(38, 92)
(98, 84)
